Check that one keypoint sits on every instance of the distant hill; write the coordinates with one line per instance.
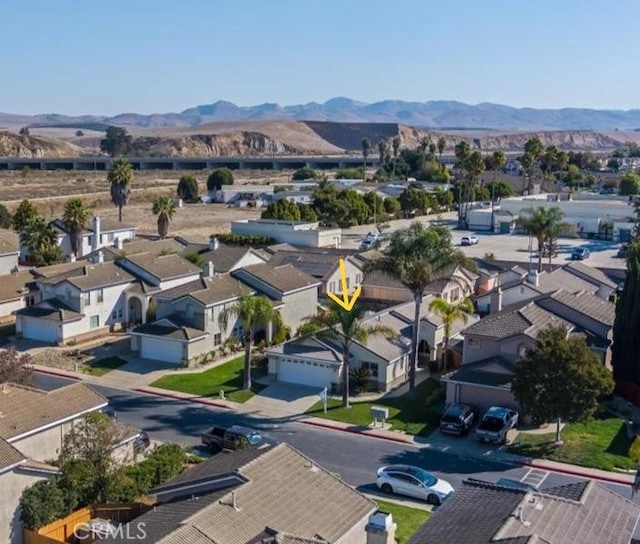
(435, 115)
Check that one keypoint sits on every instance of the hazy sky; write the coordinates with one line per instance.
(85, 56)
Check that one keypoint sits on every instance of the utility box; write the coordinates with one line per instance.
(379, 413)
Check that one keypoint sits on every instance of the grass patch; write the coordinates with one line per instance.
(600, 443)
(103, 366)
(228, 377)
(417, 417)
(409, 520)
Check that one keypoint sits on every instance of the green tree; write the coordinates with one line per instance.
(539, 222)
(383, 152)
(414, 200)
(473, 165)
(86, 461)
(449, 313)
(499, 189)
(626, 340)
(534, 148)
(252, 311)
(42, 503)
(629, 184)
(496, 162)
(76, 218)
(307, 213)
(24, 214)
(283, 209)
(165, 208)
(41, 241)
(16, 367)
(120, 177)
(6, 219)
(441, 145)
(344, 327)
(219, 177)
(366, 148)
(392, 206)
(117, 142)
(417, 256)
(349, 173)
(560, 379)
(305, 173)
(574, 176)
(188, 188)
(395, 144)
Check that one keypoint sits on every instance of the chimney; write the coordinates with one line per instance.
(496, 301)
(96, 233)
(209, 270)
(234, 501)
(213, 244)
(100, 258)
(119, 244)
(381, 529)
(533, 277)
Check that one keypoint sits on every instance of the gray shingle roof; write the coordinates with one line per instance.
(52, 310)
(9, 456)
(561, 278)
(25, 409)
(284, 278)
(308, 348)
(483, 513)
(208, 290)
(317, 265)
(14, 286)
(224, 258)
(163, 267)
(592, 274)
(588, 304)
(494, 371)
(95, 276)
(169, 327)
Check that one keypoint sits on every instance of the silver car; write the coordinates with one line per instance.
(413, 482)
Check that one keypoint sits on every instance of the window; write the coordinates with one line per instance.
(371, 367)
(332, 287)
(473, 343)
(217, 339)
(94, 321)
(120, 313)
(100, 296)
(455, 294)
(86, 298)
(348, 283)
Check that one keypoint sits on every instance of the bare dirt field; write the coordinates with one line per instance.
(50, 190)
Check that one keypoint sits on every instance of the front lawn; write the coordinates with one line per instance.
(600, 443)
(409, 520)
(228, 377)
(417, 417)
(103, 366)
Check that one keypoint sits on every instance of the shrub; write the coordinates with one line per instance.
(219, 177)
(188, 188)
(359, 380)
(242, 240)
(42, 503)
(634, 450)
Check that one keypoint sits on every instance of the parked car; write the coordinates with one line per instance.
(233, 438)
(372, 240)
(469, 240)
(413, 482)
(579, 254)
(495, 424)
(458, 419)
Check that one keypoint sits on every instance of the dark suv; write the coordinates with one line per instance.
(458, 419)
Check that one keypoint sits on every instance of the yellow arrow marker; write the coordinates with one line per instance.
(345, 302)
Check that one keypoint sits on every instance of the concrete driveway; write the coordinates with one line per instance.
(284, 399)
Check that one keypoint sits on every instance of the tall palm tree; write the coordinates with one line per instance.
(366, 147)
(120, 176)
(165, 208)
(450, 312)
(252, 311)
(76, 218)
(41, 241)
(417, 256)
(344, 327)
(383, 148)
(442, 145)
(541, 223)
(395, 144)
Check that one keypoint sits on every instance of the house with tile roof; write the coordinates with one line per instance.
(494, 343)
(274, 494)
(15, 293)
(483, 513)
(187, 325)
(224, 258)
(32, 425)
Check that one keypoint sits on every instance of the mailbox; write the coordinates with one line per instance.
(378, 412)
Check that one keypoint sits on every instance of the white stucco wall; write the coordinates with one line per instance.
(11, 306)
(13, 483)
(333, 283)
(8, 261)
(43, 445)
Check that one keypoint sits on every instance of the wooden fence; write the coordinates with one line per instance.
(61, 531)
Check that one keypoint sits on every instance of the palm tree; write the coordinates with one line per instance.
(344, 327)
(252, 311)
(383, 149)
(417, 256)
(442, 145)
(165, 208)
(450, 312)
(41, 240)
(366, 147)
(395, 144)
(541, 223)
(120, 176)
(76, 218)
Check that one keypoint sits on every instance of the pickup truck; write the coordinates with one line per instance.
(233, 438)
(495, 424)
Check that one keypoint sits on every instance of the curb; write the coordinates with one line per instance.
(59, 374)
(176, 397)
(571, 472)
(357, 431)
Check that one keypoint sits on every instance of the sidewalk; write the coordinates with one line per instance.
(497, 455)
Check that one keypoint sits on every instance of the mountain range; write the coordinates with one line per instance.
(437, 115)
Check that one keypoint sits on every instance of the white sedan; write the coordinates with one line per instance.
(413, 482)
(469, 240)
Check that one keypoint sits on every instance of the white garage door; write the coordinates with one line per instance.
(160, 349)
(305, 373)
(40, 329)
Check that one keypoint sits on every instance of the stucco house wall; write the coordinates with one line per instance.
(13, 483)
(482, 397)
(8, 261)
(43, 445)
(298, 305)
(333, 282)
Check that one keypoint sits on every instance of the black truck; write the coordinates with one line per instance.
(232, 438)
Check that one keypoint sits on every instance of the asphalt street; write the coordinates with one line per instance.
(354, 457)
